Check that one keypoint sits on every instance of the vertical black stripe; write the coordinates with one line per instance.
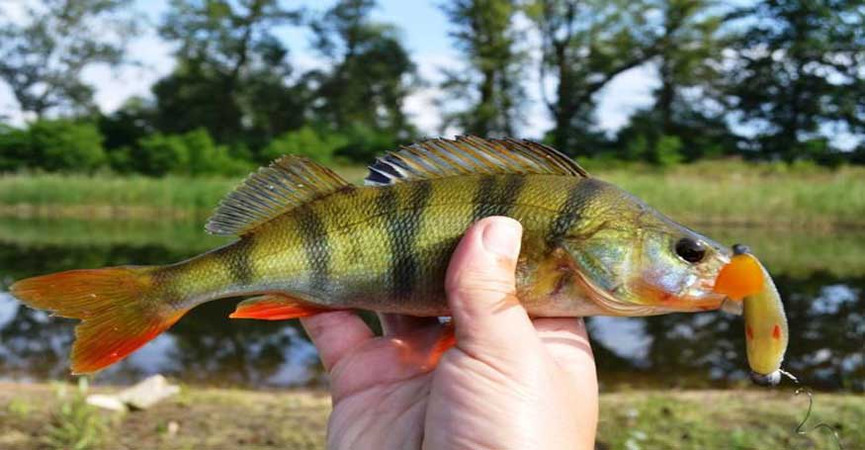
(571, 210)
(386, 204)
(236, 259)
(494, 200)
(402, 229)
(484, 197)
(313, 235)
(511, 193)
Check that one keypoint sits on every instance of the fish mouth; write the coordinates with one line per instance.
(663, 301)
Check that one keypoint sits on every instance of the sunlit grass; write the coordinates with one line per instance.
(736, 193)
(138, 196)
(729, 192)
(733, 420)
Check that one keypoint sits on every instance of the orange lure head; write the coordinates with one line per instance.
(741, 277)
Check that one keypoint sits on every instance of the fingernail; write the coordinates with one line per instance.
(502, 237)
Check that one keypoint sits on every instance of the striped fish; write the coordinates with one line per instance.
(308, 241)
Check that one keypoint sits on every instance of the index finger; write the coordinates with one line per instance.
(335, 334)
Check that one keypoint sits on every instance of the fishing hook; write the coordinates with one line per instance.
(800, 429)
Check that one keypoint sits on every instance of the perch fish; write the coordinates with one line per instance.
(308, 242)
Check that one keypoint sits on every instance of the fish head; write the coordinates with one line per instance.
(635, 261)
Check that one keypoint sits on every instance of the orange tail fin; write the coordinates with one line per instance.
(118, 312)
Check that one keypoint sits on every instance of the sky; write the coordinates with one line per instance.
(424, 29)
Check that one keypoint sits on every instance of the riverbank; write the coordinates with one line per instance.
(34, 415)
(712, 192)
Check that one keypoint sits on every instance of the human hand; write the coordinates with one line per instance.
(509, 382)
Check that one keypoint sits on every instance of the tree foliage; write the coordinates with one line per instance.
(585, 44)
(490, 88)
(43, 55)
(61, 145)
(370, 72)
(688, 100)
(232, 71)
(799, 74)
(769, 79)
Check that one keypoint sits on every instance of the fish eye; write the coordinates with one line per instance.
(690, 250)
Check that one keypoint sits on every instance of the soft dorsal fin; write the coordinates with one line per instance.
(286, 183)
(469, 155)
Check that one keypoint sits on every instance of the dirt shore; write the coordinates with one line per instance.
(53, 416)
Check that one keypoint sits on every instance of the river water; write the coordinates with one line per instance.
(821, 276)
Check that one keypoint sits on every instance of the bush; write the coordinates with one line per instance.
(668, 151)
(65, 145)
(192, 153)
(14, 148)
(364, 144)
(306, 141)
(159, 154)
(205, 157)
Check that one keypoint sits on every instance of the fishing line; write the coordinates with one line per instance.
(800, 429)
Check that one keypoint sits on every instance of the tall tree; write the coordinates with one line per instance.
(689, 51)
(688, 111)
(232, 70)
(370, 73)
(492, 86)
(44, 54)
(800, 74)
(585, 44)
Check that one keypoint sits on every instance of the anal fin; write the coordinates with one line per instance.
(274, 307)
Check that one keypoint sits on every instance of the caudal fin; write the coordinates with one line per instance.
(116, 305)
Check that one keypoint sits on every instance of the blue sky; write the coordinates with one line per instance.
(424, 29)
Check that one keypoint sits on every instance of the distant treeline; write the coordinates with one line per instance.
(770, 80)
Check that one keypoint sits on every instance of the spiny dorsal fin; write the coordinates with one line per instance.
(469, 155)
(286, 183)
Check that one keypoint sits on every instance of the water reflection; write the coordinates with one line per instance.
(825, 307)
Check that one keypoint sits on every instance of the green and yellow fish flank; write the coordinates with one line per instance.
(308, 241)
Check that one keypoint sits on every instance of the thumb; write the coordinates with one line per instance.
(480, 285)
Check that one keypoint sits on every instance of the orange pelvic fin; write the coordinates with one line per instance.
(741, 277)
(274, 307)
(117, 311)
(445, 342)
(418, 351)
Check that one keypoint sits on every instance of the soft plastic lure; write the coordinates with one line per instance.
(766, 335)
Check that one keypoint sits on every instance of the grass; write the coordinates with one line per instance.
(732, 192)
(74, 424)
(227, 418)
(48, 195)
(707, 192)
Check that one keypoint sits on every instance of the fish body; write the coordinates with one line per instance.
(386, 248)
(309, 242)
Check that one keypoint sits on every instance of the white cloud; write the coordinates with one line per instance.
(624, 95)
(113, 87)
(420, 105)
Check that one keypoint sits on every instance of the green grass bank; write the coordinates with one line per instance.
(712, 192)
(35, 416)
